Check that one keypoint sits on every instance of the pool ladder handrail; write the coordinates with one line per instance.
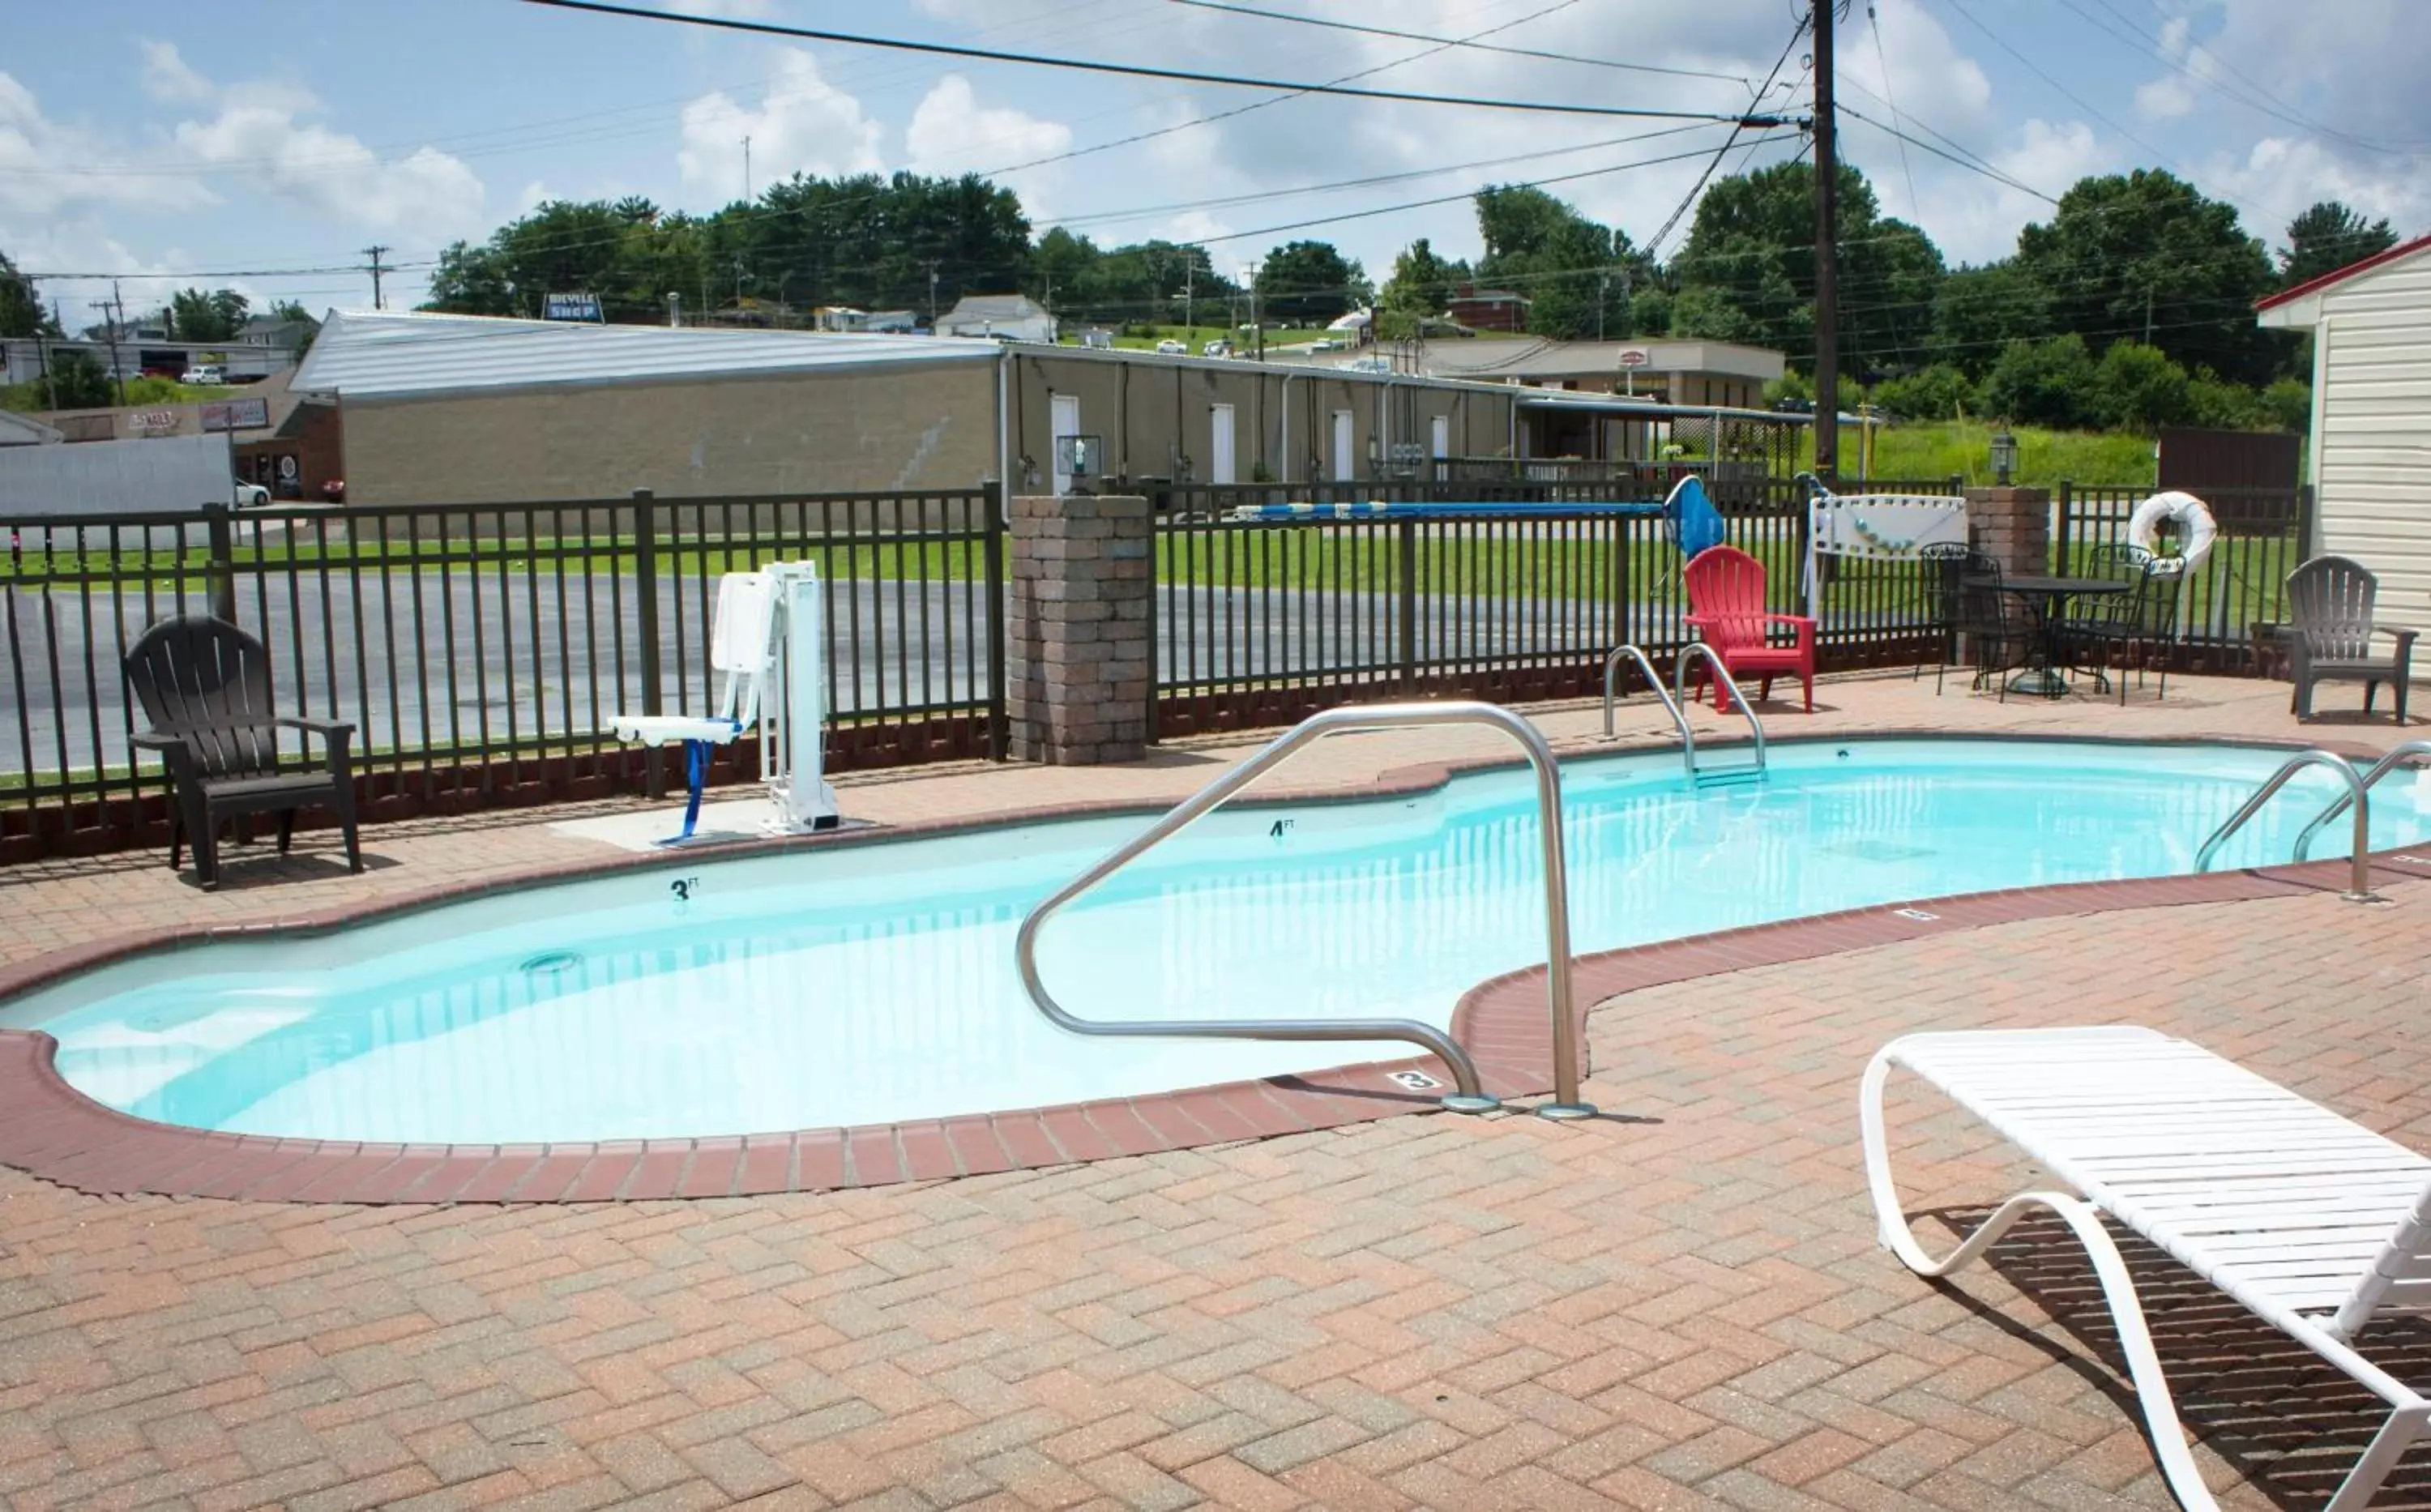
(2395, 758)
(2359, 873)
(1675, 698)
(1470, 1095)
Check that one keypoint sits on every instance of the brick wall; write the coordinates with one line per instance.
(1078, 632)
(2013, 526)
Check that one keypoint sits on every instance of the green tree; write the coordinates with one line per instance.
(1422, 284)
(1751, 246)
(2049, 382)
(2326, 238)
(1978, 312)
(78, 381)
(2137, 388)
(1308, 283)
(20, 309)
(1649, 311)
(1578, 274)
(2214, 402)
(1059, 269)
(196, 316)
(2127, 253)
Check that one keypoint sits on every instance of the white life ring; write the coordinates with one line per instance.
(2193, 522)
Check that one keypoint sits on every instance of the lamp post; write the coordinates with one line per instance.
(2004, 457)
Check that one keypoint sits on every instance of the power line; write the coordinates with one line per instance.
(1882, 60)
(1655, 246)
(1471, 46)
(1993, 174)
(1178, 75)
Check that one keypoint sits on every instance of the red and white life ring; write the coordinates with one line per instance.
(2190, 518)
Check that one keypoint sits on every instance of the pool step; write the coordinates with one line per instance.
(1731, 777)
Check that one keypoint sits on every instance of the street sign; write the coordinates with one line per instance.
(236, 414)
(1635, 356)
(572, 307)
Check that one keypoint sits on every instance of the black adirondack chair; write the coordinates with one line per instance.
(2330, 637)
(204, 686)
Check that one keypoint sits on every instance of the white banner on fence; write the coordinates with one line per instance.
(1878, 527)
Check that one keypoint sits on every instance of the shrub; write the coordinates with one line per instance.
(2137, 388)
(2212, 400)
(2287, 405)
(1940, 393)
(1792, 385)
(2049, 382)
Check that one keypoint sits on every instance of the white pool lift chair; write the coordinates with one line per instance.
(766, 630)
(2313, 1224)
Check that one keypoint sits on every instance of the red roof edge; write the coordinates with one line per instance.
(2340, 275)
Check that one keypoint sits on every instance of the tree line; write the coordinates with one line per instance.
(2131, 304)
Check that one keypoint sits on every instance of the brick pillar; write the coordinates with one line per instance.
(2013, 526)
(1076, 638)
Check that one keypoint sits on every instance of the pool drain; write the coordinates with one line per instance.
(549, 962)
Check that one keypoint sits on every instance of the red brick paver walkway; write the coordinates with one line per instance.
(1678, 1306)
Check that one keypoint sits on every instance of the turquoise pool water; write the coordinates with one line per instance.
(874, 983)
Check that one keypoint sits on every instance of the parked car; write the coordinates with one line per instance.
(1793, 405)
(1216, 347)
(1329, 344)
(205, 374)
(1169, 348)
(251, 496)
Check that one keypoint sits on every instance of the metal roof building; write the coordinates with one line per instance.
(377, 354)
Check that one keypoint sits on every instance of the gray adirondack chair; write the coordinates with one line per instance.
(204, 685)
(2330, 637)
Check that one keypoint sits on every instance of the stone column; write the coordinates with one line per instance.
(2013, 526)
(1079, 659)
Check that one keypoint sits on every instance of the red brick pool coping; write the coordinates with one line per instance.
(54, 1132)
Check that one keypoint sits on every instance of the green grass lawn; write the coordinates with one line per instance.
(1954, 447)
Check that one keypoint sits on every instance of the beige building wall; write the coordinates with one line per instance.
(902, 427)
(1157, 419)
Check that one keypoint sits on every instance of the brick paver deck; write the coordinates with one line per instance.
(1680, 1305)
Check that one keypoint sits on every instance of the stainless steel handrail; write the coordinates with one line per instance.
(1653, 680)
(1723, 679)
(2359, 877)
(1470, 1095)
(2371, 777)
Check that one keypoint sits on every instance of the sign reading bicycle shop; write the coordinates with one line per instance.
(583, 307)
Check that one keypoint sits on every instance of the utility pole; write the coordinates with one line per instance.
(747, 169)
(2148, 317)
(50, 379)
(112, 311)
(375, 253)
(932, 297)
(1827, 272)
(1189, 299)
(1603, 294)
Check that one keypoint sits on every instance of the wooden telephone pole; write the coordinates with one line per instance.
(1827, 272)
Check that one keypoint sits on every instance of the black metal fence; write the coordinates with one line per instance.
(2242, 586)
(1262, 621)
(483, 652)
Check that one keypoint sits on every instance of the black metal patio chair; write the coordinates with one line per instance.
(1996, 634)
(2132, 630)
(2329, 638)
(204, 686)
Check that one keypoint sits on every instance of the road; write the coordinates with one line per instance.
(469, 667)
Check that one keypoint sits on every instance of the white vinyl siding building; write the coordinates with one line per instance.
(2369, 461)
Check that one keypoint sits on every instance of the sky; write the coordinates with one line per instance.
(263, 145)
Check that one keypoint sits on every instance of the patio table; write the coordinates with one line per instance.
(2045, 673)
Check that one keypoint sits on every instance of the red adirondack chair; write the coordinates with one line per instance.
(1726, 612)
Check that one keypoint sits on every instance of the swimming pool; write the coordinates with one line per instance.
(874, 983)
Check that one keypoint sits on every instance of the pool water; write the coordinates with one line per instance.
(875, 982)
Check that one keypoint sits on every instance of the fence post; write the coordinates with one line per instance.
(645, 605)
(2063, 555)
(223, 568)
(1406, 543)
(992, 554)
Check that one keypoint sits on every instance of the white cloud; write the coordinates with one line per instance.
(427, 190)
(803, 124)
(2165, 99)
(739, 9)
(166, 76)
(49, 167)
(951, 132)
(2281, 175)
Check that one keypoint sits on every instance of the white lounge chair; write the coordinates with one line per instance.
(741, 645)
(2314, 1223)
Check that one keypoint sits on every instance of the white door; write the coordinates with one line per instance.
(1342, 438)
(1065, 420)
(1441, 430)
(1219, 444)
